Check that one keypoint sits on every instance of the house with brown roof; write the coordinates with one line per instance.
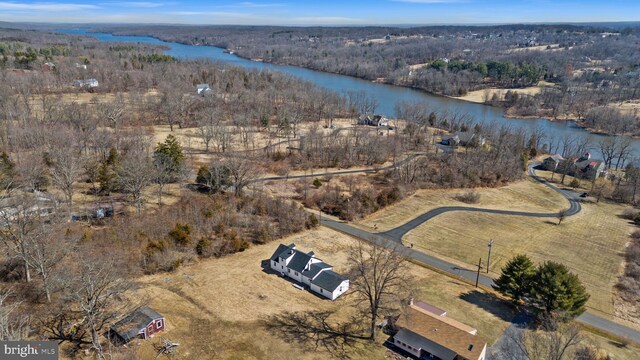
(425, 331)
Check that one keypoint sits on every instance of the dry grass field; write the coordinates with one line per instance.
(215, 308)
(526, 195)
(591, 243)
(480, 96)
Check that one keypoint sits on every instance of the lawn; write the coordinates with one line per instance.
(525, 195)
(214, 308)
(591, 243)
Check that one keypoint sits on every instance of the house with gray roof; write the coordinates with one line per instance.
(142, 323)
(308, 270)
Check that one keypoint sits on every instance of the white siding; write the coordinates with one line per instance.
(340, 289)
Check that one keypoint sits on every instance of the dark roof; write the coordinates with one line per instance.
(420, 342)
(314, 269)
(299, 261)
(280, 250)
(328, 280)
(129, 327)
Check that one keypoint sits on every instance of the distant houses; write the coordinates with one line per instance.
(426, 332)
(582, 167)
(307, 269)
(88, 83)
(142, 323)
(463, 138)
(203, 89)
(48, 66)
(373, 120)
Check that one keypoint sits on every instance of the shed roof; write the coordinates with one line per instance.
(430, 308)
(129, 327)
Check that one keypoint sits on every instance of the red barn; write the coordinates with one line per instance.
(142, 323)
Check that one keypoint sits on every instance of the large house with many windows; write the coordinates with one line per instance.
(308, 270)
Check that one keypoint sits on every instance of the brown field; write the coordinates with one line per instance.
(525, 195)
(591, 243)
(214, 308)
(479, 96)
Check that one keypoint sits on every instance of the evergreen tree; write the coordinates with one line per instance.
(516, 278)
(169, 157)
(555, 288)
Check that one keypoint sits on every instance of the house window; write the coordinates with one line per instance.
(295, 273)
(320, 290)
(289, 271)
(158, 324)
(274, 262)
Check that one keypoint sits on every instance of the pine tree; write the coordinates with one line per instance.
(555, 288)
(168, 155)
(515, 280)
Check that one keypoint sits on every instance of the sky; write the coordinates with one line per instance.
(327, 12)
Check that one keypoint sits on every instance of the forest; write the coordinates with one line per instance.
(584, 68)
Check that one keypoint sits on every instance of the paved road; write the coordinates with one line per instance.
(573, 198)
(392, 240)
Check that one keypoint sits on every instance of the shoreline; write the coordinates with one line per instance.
(383, 81)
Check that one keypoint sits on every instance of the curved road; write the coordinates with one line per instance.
(392, 239)
(573, 198)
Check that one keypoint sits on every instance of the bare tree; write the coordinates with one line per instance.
(21, 219)
(13, 326)
(45, 251)
(136, 172)
(241, 172)
(67, 165)
(95, 291)
(561, 215)
(379, 281)
(555, 340)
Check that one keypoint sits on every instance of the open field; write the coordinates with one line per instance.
(215, 307)
(480, 96)
(591, 243)
(525, 195)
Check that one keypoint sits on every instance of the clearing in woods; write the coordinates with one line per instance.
(215, 307)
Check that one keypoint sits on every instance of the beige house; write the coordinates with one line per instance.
(426, 332)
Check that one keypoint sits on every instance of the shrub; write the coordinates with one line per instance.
(317, 183)
(181, 234)
(469, 197)
(574, 183)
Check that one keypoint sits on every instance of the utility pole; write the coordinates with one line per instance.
(489, 257)
(478, 275)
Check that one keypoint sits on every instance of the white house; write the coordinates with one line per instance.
(308, 270)
(89, 83)
(203, 89)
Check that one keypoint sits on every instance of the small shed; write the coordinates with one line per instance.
(141, 323)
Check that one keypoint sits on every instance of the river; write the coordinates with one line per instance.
(386, 95)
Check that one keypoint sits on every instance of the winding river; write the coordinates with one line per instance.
(386, 95)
